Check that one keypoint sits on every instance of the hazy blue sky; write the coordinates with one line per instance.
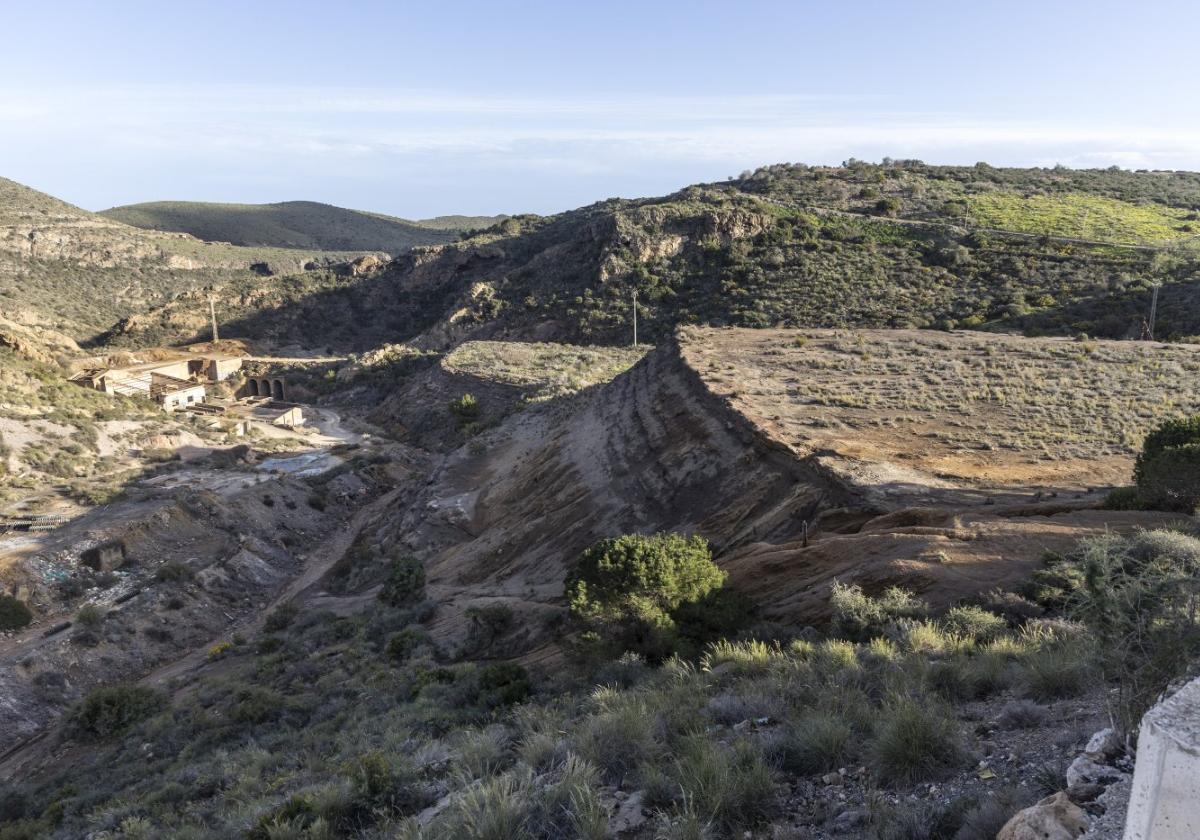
(426, 108)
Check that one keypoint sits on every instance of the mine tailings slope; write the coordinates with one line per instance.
(653, 450)
(659, 449)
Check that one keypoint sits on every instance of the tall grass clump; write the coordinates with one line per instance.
(915, 740)
(859, 617)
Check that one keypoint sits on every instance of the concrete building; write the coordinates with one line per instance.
(216, 367)
(173, 394)
(170, 382)
(289, 417)
(284, 415)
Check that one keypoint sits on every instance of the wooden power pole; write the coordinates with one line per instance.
(635, 317)
(1153, 308)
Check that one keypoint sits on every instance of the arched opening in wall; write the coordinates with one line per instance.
(252, 387)
(264, 387)
(277, 389)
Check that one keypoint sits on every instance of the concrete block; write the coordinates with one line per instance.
(1165, 801)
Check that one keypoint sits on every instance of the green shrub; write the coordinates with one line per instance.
(257, 705)
(465, 408)
(280, 618)
(296, 814)
(1058, 584)
(974, 623)
(720, 614)
(818, 742)
(1140, 602)
(1124, 498)
(628, 588)
(405, 581)
(730, 786)
(487, 623)
(1171, 479)
(859, 617)
(1055, 671)
(1167, 472)
(618, 740)
(503, 684)
(401, 645)
(915, 740)
(948, 678)
(498, 809)
(90, 616)
(111, 710)
(13, 613)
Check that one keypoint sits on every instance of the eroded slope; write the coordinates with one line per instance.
(750, 438)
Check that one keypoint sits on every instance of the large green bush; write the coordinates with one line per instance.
(1140, 599)
(405, 581)
(1167, 472)
(627, 589)
(110, 710)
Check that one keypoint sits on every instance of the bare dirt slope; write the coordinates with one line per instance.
(749, 436)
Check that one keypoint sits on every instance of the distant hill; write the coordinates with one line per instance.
(294, 224)
(461, 223)
(899, 244)
(64, 268)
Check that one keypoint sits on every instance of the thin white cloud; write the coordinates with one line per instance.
(276, 132)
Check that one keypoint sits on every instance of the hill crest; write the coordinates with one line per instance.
(293, 224)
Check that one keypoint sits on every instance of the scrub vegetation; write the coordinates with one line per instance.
(357, 726)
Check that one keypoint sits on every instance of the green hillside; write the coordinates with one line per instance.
(894, 245)
(19, 203)
(462, 223)
(292, 224)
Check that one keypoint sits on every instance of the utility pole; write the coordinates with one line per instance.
(1153, 307)
(635, 317)
(212, 311)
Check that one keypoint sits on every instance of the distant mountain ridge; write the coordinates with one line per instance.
(295, 224)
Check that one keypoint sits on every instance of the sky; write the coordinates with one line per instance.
(423, 109)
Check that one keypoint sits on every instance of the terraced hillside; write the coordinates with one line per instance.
(901, 245)
(294, 224)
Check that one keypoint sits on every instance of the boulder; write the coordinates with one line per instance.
(628, 815)
(1104, 745)
(1053, 818)
(1085, 770)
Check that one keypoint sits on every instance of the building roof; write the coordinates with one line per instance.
(162, 385)
(89, 373)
